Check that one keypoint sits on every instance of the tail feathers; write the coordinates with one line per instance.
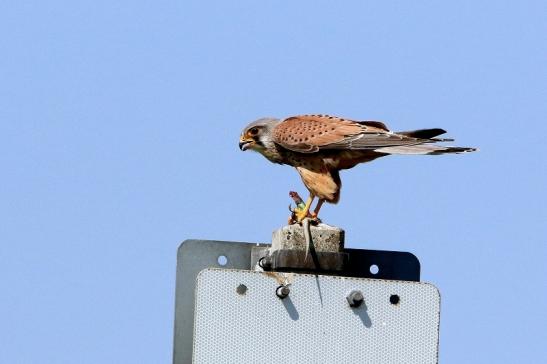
(424, 149)
(425, 134)
(455, 150)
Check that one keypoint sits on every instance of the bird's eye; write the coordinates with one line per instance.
(253, 131)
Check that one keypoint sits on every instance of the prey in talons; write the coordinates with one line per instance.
(302, 209)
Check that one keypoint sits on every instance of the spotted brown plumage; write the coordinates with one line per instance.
(319, 146)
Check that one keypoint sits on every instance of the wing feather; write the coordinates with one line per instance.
(311, 133)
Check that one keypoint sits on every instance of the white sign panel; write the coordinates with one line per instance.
(240, 319)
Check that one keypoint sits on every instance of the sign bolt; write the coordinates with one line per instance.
(282, 291)
(355, 298)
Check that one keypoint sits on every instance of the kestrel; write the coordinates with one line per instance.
(319, 146)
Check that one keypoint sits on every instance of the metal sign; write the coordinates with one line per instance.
(239, 318)
(195, 256)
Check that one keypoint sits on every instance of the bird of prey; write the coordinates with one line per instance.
(319, 146)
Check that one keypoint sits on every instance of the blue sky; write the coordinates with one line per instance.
(119, 124)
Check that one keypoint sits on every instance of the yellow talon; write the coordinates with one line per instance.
(301, 215)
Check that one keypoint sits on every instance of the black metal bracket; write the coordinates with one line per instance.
(375, 264)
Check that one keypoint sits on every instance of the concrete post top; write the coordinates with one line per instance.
(326, 238)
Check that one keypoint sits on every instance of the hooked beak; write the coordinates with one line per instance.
(245, 144)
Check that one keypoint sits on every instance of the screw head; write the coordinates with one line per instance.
(282, 291)
(394, 299)
(265, 263)
(241, 289)
(355, 298)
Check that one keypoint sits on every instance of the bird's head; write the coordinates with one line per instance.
(257, 135)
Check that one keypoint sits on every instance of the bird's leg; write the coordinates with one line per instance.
(317, 208)
(301, 214)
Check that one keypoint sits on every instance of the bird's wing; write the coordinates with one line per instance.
(311, 133)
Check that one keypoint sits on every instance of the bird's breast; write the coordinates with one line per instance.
(273, 155)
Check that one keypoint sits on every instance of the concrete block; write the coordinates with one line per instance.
(325, 238)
